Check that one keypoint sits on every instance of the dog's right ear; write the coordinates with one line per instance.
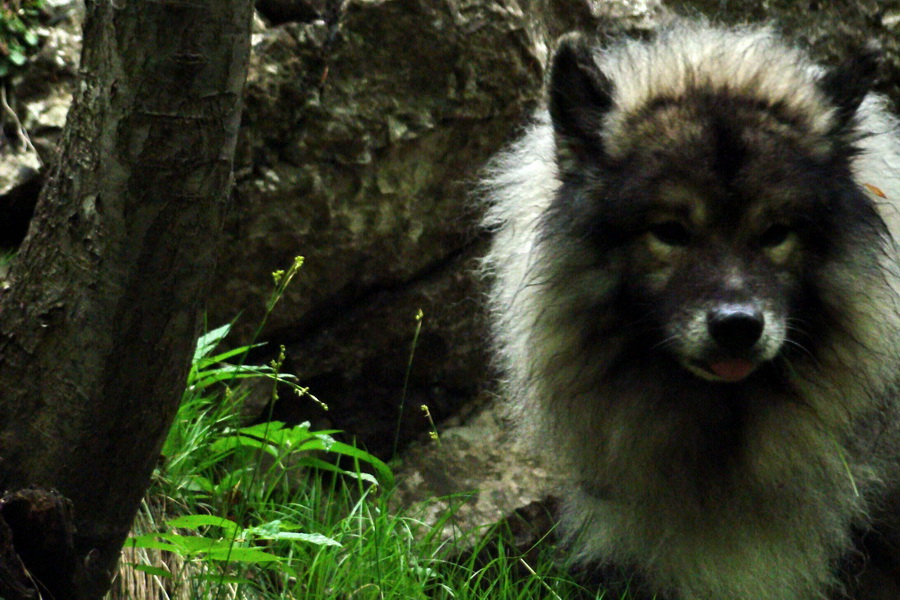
(580, 95)
(847, 85)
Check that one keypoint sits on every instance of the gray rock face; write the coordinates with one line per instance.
(476, 471)
(365, 125)
(363, 137)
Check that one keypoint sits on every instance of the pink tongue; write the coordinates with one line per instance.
(732, 370)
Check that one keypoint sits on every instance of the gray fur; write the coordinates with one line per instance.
(760, 501)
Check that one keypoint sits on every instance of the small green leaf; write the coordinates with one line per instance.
(312, 538)
(247, 555)
(231, 353)
(195, 544)
(385, 476)
(17, 58)
(262, 430)
(195, 522)
(158, 571)
(199, 483)
(279, 530)
(207, 342)
(233, 442)
(267, 529)
(322, 465)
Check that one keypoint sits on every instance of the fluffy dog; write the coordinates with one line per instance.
(695, 309)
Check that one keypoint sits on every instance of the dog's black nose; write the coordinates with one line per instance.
(735, 327)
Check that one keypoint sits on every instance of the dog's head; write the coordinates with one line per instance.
(716, 198)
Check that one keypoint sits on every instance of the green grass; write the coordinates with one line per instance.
(275, 512)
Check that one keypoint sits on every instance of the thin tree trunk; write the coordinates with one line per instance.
(99, 318)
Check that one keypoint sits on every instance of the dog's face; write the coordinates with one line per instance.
(727, 225)
(716, 290)
(715, 208)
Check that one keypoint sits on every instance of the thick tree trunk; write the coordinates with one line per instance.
(98, 321)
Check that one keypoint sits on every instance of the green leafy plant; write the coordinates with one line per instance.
(274, 511)
(214, 467)
(19, 38)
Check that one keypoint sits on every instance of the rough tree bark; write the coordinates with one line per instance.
(99, 318)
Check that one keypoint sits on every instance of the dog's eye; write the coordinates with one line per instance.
(671, 233)
(775, 235)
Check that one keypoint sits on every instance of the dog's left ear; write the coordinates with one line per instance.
(580, 96)
(847, 85)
